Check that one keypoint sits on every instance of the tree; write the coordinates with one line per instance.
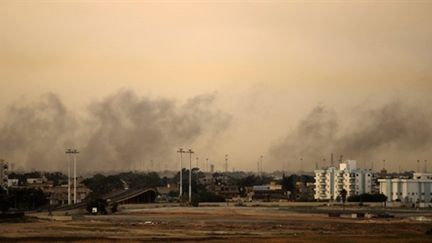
(56, 177)
(100, 184)
(27, 198)
(366, 197)
(4, 200)
(343, 195)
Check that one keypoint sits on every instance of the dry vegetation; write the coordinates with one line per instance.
(218, 224)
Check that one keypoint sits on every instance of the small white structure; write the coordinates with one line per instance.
(13, 182)
(38, 180)
(331, 181)
(270, 187)
(417, 190)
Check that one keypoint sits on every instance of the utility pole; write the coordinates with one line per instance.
(301, 164)
(261, 165)
(418, 166)
(258, 168)
(226, 163)
(181, 151)
(69, 151)
(190, 152)
(74, 152)
(206, 165)
(197, 159)
(331, 160)
(75, 176)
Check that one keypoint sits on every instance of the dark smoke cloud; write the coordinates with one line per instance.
(396, 131)
(33, 133)
(120, 132)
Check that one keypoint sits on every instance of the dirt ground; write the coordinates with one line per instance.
(220, 224)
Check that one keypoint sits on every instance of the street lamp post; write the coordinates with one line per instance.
(181, 151)
(69, 151)
(190, 152)
(74, 152)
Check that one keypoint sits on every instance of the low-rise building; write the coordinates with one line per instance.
(227, 191)
(417, 190)
(58, 195)
(13, 182)
(38, 180)
(268, 192)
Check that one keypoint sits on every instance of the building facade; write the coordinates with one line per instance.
(329, 182)
(268, 192)
(417, 190)
(3, 173)
(58, 195)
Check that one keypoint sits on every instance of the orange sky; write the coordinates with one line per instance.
(270, 62)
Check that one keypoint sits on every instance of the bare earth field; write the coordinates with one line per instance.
(220, 224)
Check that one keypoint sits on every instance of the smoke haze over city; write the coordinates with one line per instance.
(129, 84)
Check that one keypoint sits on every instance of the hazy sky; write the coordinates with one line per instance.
(268, 63)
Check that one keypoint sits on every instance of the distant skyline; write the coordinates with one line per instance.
(259, 75)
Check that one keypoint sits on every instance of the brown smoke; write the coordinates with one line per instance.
(396, 131)
(120, 132)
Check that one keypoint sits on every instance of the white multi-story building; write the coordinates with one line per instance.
(3, 174)
(416, 190)
(331, 181)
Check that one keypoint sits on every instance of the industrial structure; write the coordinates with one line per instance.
(329, 182)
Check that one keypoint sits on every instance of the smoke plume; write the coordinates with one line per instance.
(397, 132)
(120, 132)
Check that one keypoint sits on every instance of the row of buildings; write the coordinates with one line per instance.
(56, 194)
(414, 190)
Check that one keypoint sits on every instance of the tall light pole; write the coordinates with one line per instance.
(190, 152)
(69, 151)
(181, 151)
(206, 165)
(74, 152)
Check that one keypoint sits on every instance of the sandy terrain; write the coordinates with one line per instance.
(220, 224)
